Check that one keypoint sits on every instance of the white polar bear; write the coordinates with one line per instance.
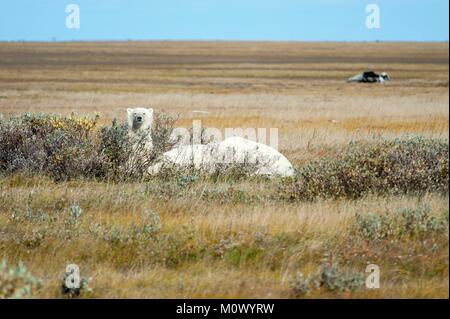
(265, 160)
(140, 121)
(233, 150)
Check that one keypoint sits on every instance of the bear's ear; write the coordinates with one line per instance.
(129, 111)
(151, 111)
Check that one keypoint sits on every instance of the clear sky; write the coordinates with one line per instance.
(302, 20)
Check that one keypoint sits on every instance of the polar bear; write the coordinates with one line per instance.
(140, 121)
(264, 160)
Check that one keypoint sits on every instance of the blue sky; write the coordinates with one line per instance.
(302, 20)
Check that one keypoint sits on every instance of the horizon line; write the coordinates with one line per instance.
(222, 40)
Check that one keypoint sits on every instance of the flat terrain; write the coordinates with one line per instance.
(227, 246)
(298, 88)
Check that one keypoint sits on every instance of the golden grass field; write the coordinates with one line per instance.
(226, 246)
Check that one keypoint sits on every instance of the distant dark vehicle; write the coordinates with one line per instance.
(370, 77)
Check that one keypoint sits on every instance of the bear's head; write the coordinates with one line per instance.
(140, 118)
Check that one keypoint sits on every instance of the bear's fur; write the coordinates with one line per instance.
(140, 121)
(263, 159)
(233, 150)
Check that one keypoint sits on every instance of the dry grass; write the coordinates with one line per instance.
(225, 239)
(265, 243)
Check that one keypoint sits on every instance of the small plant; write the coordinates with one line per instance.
(329, 277)
(409, 222)
(17, 282)
(333, 279)
(151, 223)
(302, 285)
(75, 213)
(369, 226)
(417, 222)
(186, 180)
(36, 217)
(149, 226)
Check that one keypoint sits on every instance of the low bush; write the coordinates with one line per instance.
(60, 147)
(72, 147)
(408, 222)
(413, 165)
(330, 277)
(144, 231)
(17, 282)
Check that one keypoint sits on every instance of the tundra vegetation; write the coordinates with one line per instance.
(371, 183)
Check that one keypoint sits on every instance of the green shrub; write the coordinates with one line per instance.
(408, 222)
(335, 279)
(71, 147)
(75, 213)
(124, 157)
(414, 165)
(146, 230)
(17, 282)
(301, 285)
(60, 147)
(114, 146)
(370, 226)
(330, 277)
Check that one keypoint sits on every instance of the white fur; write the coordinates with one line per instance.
(267, 160)
(233, 150)
(145, 117)
(145, 114)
